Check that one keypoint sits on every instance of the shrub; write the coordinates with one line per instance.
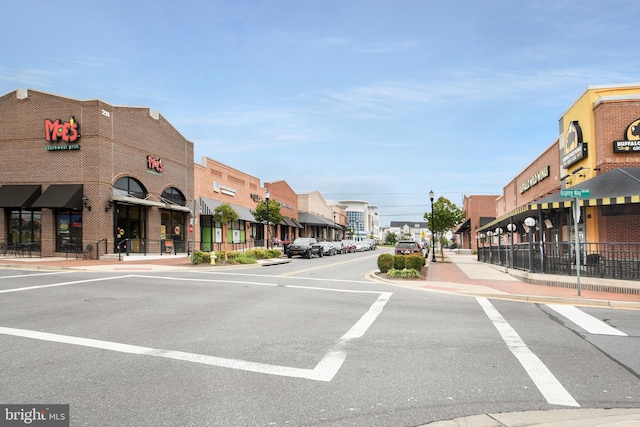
(385, 262)
(414, 261)
(403, 274)
(199, 257)
(240, 258)
(398, 262)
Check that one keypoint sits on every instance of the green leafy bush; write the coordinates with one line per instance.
(240, 258)
(398, 262)
(414, 261)
(385, 262)
(403, 274)
(199, 257)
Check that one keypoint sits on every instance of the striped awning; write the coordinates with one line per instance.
(616, 187)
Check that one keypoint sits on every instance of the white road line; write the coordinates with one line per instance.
(20, 276)
(76, 282)
(546, 382)
(585, 321)
(325, 370)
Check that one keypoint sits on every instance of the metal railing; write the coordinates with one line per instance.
(609, 260)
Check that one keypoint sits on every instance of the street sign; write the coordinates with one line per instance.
(568, 194)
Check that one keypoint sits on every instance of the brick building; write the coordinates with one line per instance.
(598, 152)
(78, 173)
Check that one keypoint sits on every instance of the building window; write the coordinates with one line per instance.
(68, 230)
(128, 186)
(174, 196)
(25, 227)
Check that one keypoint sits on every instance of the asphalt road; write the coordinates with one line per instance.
(309, 343)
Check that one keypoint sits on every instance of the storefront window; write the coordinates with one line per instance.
(25, 227)
(68, 230)
(173, 228)
(210, 232)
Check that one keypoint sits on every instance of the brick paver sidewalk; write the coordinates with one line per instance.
(450, 272)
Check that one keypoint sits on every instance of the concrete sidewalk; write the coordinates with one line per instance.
(463, 274)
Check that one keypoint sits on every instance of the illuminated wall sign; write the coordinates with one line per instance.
(154, 165)
(55, 130)
(631, 143)
(539, 176)
(574, 148)
(219, 188)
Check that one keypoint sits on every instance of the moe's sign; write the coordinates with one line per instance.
(154, 165)
(59, 131)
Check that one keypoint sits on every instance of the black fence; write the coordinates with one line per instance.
(605, 260)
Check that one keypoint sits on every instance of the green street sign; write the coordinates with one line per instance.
(568, 194)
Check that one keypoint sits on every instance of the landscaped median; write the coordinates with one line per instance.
(402, 266)
(250, 256)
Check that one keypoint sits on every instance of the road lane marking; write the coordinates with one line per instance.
(76, 282)
(546, 382)
(20, 276)
(325, 370)
(304, 270)
(585, 321)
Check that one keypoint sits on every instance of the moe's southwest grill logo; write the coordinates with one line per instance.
(58, 131)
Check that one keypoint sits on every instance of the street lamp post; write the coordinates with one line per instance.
(482, 237)
(511, 227)
(489, 237)
(267, 196)
(433, 233)
(530, 223)
(499, 234)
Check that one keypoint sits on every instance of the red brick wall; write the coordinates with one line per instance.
(114, 142)
(611, 118)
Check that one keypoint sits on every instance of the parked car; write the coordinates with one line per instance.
(349, 246)
(360, 246)
(306, 247)
(328, 248)
(406, 247)
(371, 244)
(340, 248)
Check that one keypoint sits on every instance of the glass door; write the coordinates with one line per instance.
(130, 229)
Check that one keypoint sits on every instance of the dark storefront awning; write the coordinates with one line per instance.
(288, 222)
(616, 187)
(466, 226)
(18, 196)
(296, 223)
(208, 207)
(311, 219)
(60, 196)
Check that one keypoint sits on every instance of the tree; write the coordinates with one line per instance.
(224, 214)
(391, 238)
(260, 214)
(446, 215)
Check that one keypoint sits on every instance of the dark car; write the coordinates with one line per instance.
(328, 248)
(305, 246)
(406, 247)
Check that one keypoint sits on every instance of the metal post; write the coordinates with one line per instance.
(433, 232)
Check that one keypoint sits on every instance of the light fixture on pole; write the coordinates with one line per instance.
(433, 233)
(489, 235)
(530, 223)
(511, 227)
(267, 196)
(498, 233)
(482, 237)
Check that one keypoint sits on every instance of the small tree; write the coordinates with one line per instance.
(391, 238)
(274, 217)
(446, 215)
(224, 214)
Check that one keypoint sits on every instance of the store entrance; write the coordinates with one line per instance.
(130, 228)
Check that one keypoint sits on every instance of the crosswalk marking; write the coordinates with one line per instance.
(542, 377)
(585, 321)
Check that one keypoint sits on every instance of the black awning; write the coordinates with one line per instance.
(18, 196)
(297, 224)
(618, 186)
(59, 196)
(466, 226)
(288, 222)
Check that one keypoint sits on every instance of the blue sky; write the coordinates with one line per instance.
(376, 100)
